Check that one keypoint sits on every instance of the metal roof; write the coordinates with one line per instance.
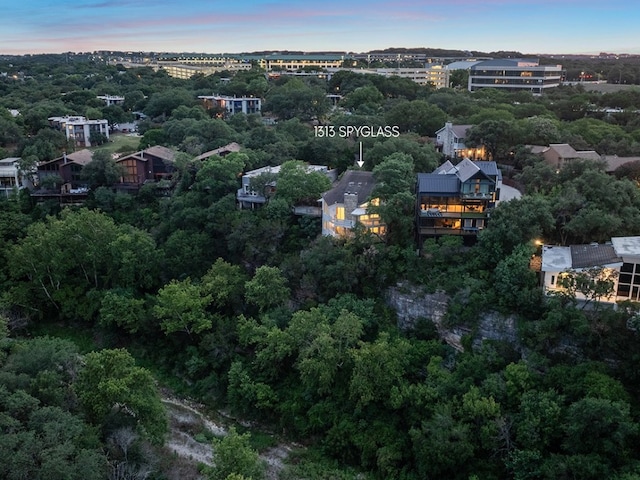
(437, 184)
(593, 255)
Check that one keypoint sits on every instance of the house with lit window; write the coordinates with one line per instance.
(617, 261)
(79, 130)
(150, 165)
(450, 141)
(456, 199)
(346, 205)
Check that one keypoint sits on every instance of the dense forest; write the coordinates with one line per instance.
(254, 313)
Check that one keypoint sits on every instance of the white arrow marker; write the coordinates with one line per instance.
(360, 162)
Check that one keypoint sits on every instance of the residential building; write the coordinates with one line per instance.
(232, 105)
(220, 152)
(613, 162)
(617, 260)
(111, 99)
(150, 165)
(10, 177)
(60, 179)
(456, 199)
(249, 197)
(347, 205)
(558, 154)
(79, 130)
(514, 75)
(450, 141)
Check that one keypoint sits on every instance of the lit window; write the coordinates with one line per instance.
(340, 213)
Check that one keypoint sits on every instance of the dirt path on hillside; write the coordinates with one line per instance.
(187, 436)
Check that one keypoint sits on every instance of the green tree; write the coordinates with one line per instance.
(114, 391)
(297, 185)
(102, 170)
(417, 116)
(234, 458)
(181, 307)
(267, 289)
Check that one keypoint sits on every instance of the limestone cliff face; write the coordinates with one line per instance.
(412, 303)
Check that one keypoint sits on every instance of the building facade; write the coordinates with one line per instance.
(514, 75)
(450, 141)
(456, 199)
(347, 205)
(232, 105)
(79, 130)
(617, 261)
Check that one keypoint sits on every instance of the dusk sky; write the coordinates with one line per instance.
(536, 26)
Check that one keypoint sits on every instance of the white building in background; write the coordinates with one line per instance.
(618, 259)
(111, 99)
(79, 129)
(232, 105)
(10, 178)
(514, 75)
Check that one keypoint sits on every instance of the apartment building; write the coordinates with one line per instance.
(514, 75)
(232, 105)
(79, 129)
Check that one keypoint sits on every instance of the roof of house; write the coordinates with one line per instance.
(460, 131)
(438, 184)
(557, 259)
(613, 161)
(626, 246)
(161, 152)
(593, 255)
(229, 148)
(9, 160)
(81, 157)
(447, 177)
(565, 150)
(353, 181)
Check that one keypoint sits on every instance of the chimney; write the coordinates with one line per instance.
(350, 204)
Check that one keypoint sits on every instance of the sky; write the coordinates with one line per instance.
(212, 26)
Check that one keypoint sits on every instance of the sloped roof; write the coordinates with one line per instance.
(593, 255)
(489, 168)
(613, 161)
(161, 152)
(446, 167)
(353, 181)
(460, 130)
(229, 148)
(438, 184)
(466, 169)
(81, 157)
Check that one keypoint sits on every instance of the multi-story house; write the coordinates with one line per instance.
(450, 141)
(617, 261)
(79, 130)
(456, 199)
(149, 165)
(514, 75)
(347, 205)
(250, 196)
(10, 177)
(232, 105)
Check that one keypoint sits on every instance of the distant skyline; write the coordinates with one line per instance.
(211, 26)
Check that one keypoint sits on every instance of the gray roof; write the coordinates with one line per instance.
(162, 152)
(613, 161)
(352, 181)
(446, 167)
(593, 255)
(555, 258)
(505, 62)
(489, 168)
(467, 169)
(626, 246)
(438, 184)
